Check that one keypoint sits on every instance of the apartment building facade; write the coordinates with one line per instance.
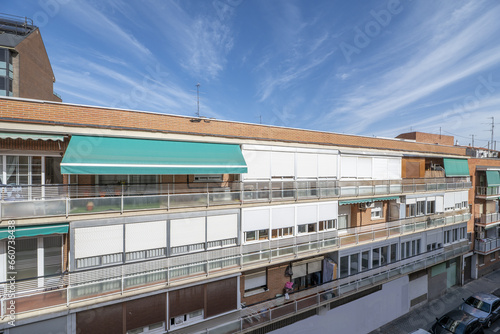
(25, 69)
(117, 221)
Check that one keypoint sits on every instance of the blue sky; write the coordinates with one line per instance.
(358, 67)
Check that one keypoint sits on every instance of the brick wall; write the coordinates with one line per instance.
(364, 217)
(70, 115)
(423, 137)
(36, 78)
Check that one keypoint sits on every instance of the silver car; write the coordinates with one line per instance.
(484, 306)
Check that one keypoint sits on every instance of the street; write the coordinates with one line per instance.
(425, 315)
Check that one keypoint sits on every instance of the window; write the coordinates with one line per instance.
(327, 224)
(354, 264)
(306, 228)
(343, 221)
(377, 210)
(465, 204)
(411, 210)
(420, 208)
(306, 274)
(480, 259)
(344, 266)
(256, 235)
(282, 232)
(431, 207)
(186, 318)
(256, 281)
(447, 237)
(394, 252)
(150, 329)
(410, 248)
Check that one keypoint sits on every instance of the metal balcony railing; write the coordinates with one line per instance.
(487, 246)
(68, 288)
(267, 312)
(65, 200)
(487, 191)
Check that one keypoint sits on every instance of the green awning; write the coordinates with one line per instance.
(33, 231)
(33, 136)
(456, 167)
(493, 178)
(128, 156)
(368, 200)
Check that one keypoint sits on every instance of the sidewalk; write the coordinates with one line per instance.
(425, 315)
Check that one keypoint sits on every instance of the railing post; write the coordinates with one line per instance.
(121, 201)
(168, 196)
(208, 197)
(67, 206)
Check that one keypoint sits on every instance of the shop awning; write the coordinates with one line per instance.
(368, 200)
(493, 178)
(33, 231)
(456, 167)
(129, 156)
(33, 136)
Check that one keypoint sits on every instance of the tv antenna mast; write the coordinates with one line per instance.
(198, 99)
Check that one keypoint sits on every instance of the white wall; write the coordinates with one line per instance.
(382, 306)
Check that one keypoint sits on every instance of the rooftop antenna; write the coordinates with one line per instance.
(492, 130)
(472, 140)
(198, 99)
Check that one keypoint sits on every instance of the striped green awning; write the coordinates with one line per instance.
(368, 200)
(493, 178)
(33, 231)
(130, 156)
(456, 167)
(33, 136)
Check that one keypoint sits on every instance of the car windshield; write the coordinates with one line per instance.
(479, 304)
(449, 324)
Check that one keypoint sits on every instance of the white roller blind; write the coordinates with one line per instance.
(433, 237)
(364, 167)
(100, 240)
(439, 204)
(255, 219)
(394, 168)
(348, 166)
(255, 280)
(313, 267)
(282, 164)
(380, 168)
(222, 227)
(258, 163)
(187, 231)
(142, 236)
(283, 217)
(299, 270)
(307, 214)
(411, 201)
(327, 165)
(449, 200)
(307, 165)
(328, 211)
(465, 196)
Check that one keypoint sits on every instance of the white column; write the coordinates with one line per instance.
(3, 260)
(42, 159)
(40, 262)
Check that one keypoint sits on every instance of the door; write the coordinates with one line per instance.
(467, 270)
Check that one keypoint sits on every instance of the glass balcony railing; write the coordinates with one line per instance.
(487, 246)
(487, 191)
(488, 218)
(68, 288)
(65, 200)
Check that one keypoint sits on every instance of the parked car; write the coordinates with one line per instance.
(484, 306)
(457, 322)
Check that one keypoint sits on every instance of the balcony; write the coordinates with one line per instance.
(73, 287)
(488, 219)
(70, 200)
(487, 246)
(485, 192)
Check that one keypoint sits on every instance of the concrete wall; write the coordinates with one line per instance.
(382, 306)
